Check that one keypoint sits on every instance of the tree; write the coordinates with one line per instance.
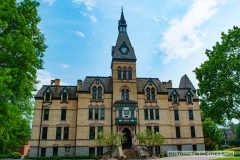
(219, 79)
(151, 139)
(212, 132)
(209, 144)
(110, 139)
(21, 52)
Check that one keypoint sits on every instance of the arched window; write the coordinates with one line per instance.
(148, 93)
(153, 93)
(123, 97)
(127, 94)
(94, 92)
(124, 74)
(129, 74)
(119, 73)
(189, 99)
(174, 98)
(99, 92)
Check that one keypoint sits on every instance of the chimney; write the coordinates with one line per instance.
(55, 82)
(79, 84)
(167, 84)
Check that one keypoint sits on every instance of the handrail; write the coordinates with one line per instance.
(139, 155)
(108, 152)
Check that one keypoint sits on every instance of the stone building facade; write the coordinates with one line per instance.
(68, 118)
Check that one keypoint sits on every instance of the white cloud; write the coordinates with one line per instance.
(155, 18)
(88, 3)
(50, 2)
(182, 38)
(92, 18)
(80, 34)
(44, 78)
(64, 66)
(149, 67)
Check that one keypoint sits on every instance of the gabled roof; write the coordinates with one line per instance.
(89, 80)
(57, 90)
(141, 83)
(186, 83)
(181, 93)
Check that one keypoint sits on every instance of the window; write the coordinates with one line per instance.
(90, 114)
(176, 116)
(94, 92)
(63, 115)
(44, 132)
(58, 132)
(97, 81)
(92, 133)
(47, 98)
(157, 113)
(91, 151)
(127, 95)
(96, 113)
(149, 128)
(129, 74)
(46, 114)
(156, 129)
(192, 128)
(67, 151)
(100, 129)
(55, 151)
(64, 97)
(157, 150)
(190, 113)
(120, 112)
(151, 114)
(43, 152)
(66, 132)
(189, 98)
(194, 147)
(148, 93)
(99, 92)
(99, 150)
(174, 98)
(102, 114)
(124, 74)
(123, 97)
(119, 74)
(153, 93)
(132, 112)
(146, 113)
(178, 135)
(179, 147)
(126, 113)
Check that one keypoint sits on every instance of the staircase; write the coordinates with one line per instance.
(131, 154)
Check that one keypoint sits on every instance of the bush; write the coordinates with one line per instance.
(16, 155)
(5, 156)
(61, 157)
(165, 154)
(235, 149)
(236, 153)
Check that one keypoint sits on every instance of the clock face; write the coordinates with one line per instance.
(124, 50)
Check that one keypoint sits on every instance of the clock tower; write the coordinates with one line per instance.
(124, 112)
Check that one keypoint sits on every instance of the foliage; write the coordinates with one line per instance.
(237, 137)
(16, 155)
(110, 139)
(219, 79)
(209, 144)
(5, 156)
(211, 131)
(61, 157)
(21, 52)
(151, 139)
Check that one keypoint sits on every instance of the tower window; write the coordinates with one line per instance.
(127, 95)
(119, 74)
(124, 74)
(123, 97)
(129, 74)
(94, 92)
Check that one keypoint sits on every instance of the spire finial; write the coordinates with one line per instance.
(122, 8)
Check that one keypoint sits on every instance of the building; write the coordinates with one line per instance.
(67, 118)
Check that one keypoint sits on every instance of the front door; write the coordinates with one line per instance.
(128, 143)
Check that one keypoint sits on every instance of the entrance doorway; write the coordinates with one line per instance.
(128, 143)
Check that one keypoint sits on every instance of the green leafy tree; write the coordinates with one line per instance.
(151, 139)
(219, 79)
(110, 139)
(209, 144)
(21, 52)
(237, 136)
(211, 131)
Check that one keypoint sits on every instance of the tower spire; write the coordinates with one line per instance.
(122, 25)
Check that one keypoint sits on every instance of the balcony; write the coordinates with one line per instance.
(126, 120)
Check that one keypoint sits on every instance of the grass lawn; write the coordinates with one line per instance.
(226, 158)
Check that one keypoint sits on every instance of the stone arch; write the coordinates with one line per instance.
(124, 87)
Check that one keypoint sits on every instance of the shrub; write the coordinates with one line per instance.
(5, 156)
(16, 155)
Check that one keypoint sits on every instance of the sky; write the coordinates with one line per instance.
(169, 36)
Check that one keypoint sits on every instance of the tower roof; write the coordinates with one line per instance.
(186, 83)
(122, 20)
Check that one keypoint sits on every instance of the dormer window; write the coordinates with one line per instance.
(47, 95)
(189, 97)
(94, 92)
(64, 95)
(175, 96)
(153, 93)
(97, 81)
(99, 92)
(148, 93)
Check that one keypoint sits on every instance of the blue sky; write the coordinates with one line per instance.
(169, 36)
